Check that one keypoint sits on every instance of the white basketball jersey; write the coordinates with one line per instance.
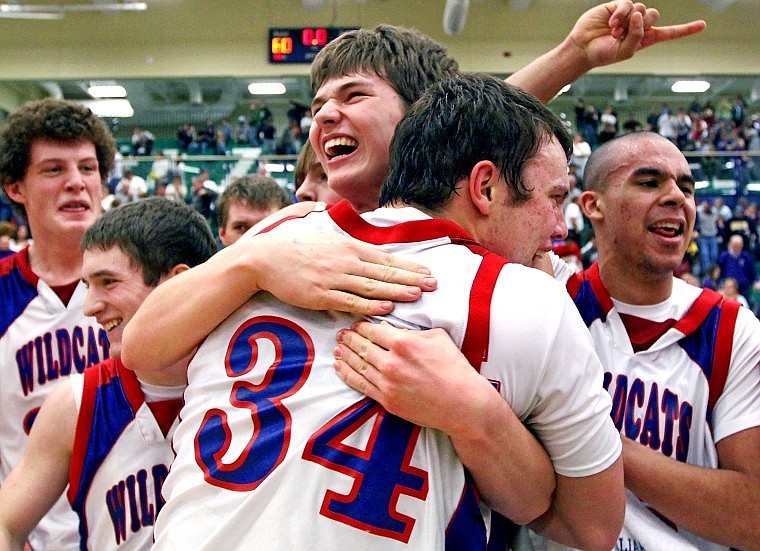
(696, 383)
(275, 452)
(119, 462)
(42, 341)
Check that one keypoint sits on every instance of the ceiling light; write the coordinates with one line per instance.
(107, 91)
(267, 88)
(57, 11)
(110, 108)
(690, 86)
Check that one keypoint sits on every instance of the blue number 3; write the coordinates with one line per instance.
(271, 420)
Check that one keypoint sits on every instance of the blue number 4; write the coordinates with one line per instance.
(381, 471)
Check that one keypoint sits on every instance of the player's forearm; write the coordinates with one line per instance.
(719, 505)
(183, 310)
(7, 542)
(511, 469)
(548, 74)
(587, 512)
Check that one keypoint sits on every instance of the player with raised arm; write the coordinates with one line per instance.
(107, 432)
(385, 81)
(264, 407)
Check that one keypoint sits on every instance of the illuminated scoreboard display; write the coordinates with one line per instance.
(300, 45)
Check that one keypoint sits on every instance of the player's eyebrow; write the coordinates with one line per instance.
(320, 100)
(659, 173)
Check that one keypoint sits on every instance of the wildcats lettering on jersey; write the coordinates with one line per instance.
(51, 356)
(641, 414)
(132, 494)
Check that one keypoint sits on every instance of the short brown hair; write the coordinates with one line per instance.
(260, 192)
(407, 59)
(56, 120)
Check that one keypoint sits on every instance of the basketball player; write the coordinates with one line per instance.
(376, 104)
(311, 179)
(680, 364)
(245, 202)
(107, 432)
(54, 157)
(264, 407)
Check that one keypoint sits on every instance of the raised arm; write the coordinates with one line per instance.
(320, 272)
(402, 370)
(603, 35)
(39, 479)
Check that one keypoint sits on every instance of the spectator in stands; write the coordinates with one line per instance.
(724, 213)
(176, 190)
(241, 131)
(203, 198)
(738, 264)
(131, 188)
(142, 142)
(729, 288)
(708, 232)
(653, 119)
(247, 201)
(7, 231)
(311, 180)
(22, 238)
(207, 138)
(667, 125)
(631, 124)
(160, 168)
(227, 132)
(581, 151)
(683, 128)
(738, 111)
(574, 219)
(186, 136)
(690, 278)
(740, 224)
(711, 280)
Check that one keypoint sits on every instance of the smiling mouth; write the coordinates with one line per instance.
(667, 229)
(340, 146)
(113, 324)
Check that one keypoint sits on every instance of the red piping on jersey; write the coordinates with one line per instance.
(476, 336)
(697, 312)
(344, 215)
(724, 344)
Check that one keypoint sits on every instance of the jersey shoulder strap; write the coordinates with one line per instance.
(477, 333)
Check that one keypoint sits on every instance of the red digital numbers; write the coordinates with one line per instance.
(314, 37)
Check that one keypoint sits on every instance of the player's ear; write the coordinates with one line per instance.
(592, 204)
(484, 176)
(178, 269)
(13, 190)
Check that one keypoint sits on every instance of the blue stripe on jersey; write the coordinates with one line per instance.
(700, 345)
(112, 413)
(15, 295)
(588, 305)
(467, 531)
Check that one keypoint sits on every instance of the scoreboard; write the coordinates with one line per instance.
(302, 44)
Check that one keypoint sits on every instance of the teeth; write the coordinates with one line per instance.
(333, 147)
(112, 324)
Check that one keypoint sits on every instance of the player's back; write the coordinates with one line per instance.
(275, 451)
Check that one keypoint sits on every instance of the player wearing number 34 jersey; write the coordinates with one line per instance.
(275, 451)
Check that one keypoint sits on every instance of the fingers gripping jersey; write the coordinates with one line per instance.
(275, 451)
(697, 383)
(119, 461)
(42, 342)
